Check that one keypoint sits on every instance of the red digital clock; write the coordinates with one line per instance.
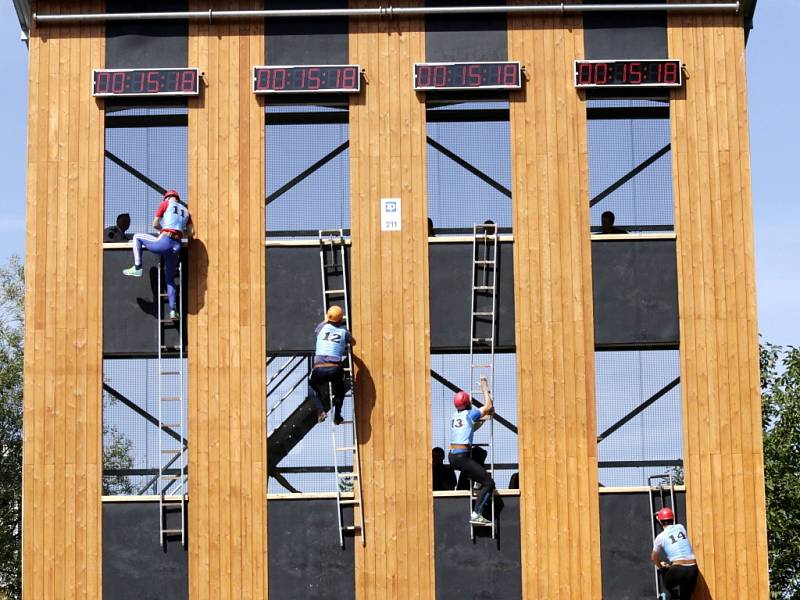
(145, 82)
(628, 73)
(302, 79)
(467, 76)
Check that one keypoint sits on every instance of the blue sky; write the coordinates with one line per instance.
(775, 139)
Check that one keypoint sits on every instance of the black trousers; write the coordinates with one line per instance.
(680, 580)
(473, 469)
(320, 376)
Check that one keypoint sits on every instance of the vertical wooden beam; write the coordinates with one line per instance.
(227, 416)
(716, 289)
(560, 532)
(390, 306)
(62, 468)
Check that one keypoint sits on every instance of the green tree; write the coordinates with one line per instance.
(116, 446)
(116, 455)
(12, 293)
(780, 393)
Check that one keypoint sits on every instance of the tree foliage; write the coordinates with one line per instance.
(116, 446)
(780, 392)
(12, 293)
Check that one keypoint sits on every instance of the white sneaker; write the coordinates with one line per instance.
(477, 519)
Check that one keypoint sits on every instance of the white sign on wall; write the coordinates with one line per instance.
(391, 215)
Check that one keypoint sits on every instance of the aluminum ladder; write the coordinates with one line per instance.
(483, 318)
(333, 270)
(172, 475)
(661, 493)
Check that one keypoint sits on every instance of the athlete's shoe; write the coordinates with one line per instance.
(476, 519)
(338, 419)
(133, 271)
(321, 416)
(173, 314)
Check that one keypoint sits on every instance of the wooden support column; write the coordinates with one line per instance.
(62, 470)
(723, 454)
(227, 416)
(560, 532)
(390, 308)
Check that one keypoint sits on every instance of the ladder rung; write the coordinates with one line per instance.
(477, 366)
(170, 372)
(351, 527)
(484, 262)
(171, 425)
(482, 340)
(170, 398)
(172, 531)
(334, 291)
(346, 449)
(347, 475)
(349, 502)
(168, 320)
(483, 287)
(171, 477)
(483, 314)
(173, 451)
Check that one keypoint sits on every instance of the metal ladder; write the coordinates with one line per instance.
(658, 496)
(333, 270)
(483, 317)
(171, 415)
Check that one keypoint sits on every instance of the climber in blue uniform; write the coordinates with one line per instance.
(463, 424)
(331, 349)
(674, 557)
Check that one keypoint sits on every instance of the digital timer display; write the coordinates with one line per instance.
(145, 82)
(467, 76)
(306, 79)
(628, 73)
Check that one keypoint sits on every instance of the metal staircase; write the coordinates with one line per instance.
(661, 492)
(172, 478)
(483, 317)
(333, 270)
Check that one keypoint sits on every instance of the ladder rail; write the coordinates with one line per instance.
(661, 496)
(484, 279)
(179, 455)
(160, 485)
(332, 241)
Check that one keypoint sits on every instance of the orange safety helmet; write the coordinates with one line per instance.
(665, 514)
(461, 400)
(334, 314)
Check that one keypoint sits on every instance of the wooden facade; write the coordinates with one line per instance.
(559, 530)
(559, 512)
(390, 300)
(227, 343)
(63, 307)
(716, 283)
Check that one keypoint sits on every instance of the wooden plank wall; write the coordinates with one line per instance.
(390, 307)
(559, 512)
(716, 288)
(227, 417)
(62, 468)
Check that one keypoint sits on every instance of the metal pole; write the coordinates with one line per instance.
(558, 9)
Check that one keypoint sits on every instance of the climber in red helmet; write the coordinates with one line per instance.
(674, 557)
(462, 426)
